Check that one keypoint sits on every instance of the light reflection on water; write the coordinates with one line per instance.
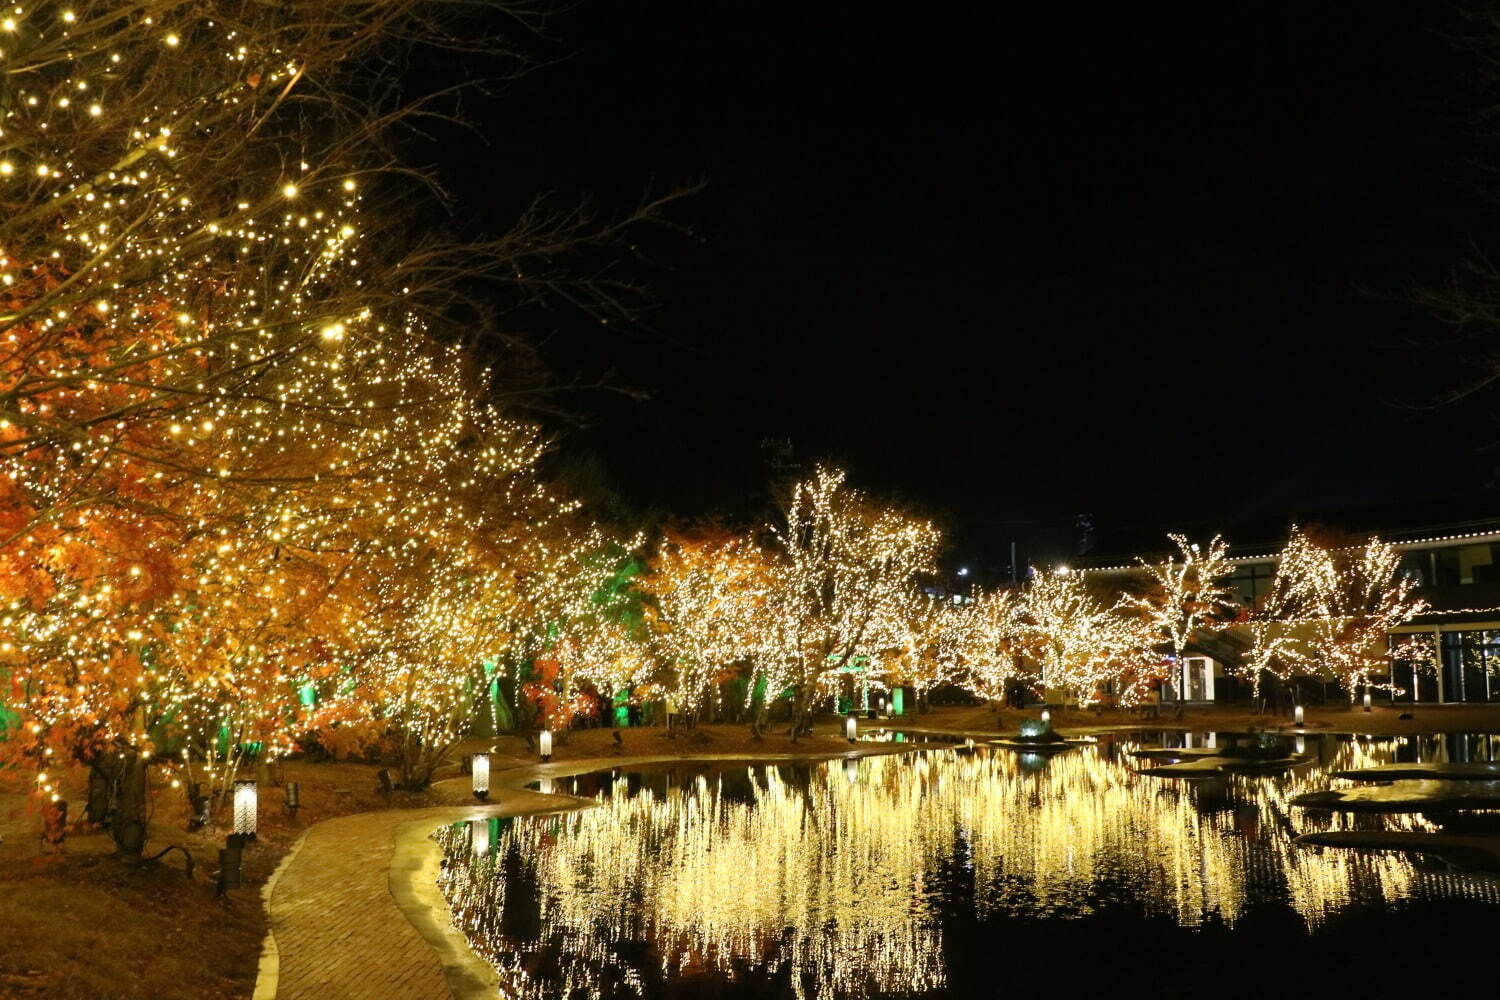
(842, 879)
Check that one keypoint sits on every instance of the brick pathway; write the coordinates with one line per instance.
(338, 930)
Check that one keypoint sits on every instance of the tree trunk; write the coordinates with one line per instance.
(117, 798)
(96, 809)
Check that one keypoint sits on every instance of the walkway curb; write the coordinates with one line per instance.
(269, 971)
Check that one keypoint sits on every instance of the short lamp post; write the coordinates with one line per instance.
(544, 746)
(1046, 715)
(850, 728)
(1367, 699)
(293, 797)
(479, 776)
(246, 807)
(1297, 715)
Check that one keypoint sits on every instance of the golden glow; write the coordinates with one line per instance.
(840, 880)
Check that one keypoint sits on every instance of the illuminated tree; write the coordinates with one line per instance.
(1082, 644)
(1185, 594)
(918, 655)
(243, 460)
(706, 592)
(983, 642)
(1353, 596)
(844, 565)
(588, 642)
(1276, 648)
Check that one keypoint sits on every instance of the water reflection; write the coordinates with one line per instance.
(874, 876)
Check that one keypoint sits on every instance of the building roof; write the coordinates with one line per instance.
(1431, 518)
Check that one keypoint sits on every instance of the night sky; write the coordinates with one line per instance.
(1015, 264)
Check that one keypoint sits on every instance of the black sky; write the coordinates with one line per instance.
(1016, 262)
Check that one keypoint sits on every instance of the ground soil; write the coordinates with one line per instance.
(79, 923)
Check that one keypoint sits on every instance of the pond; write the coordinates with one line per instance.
(945, 873)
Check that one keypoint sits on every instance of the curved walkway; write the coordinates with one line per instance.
(355, 911)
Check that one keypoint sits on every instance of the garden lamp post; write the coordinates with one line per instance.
(850, 727)
(544, 746)
(479, 776)
(246, 807)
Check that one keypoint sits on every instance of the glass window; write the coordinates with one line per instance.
(1470, 659)
(1414, 662)
(1417, 567)
(1252, 582)
(1445, 568)
(1476, 564)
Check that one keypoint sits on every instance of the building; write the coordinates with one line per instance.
(1450, 549)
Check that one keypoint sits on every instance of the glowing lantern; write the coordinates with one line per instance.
(850, 727)
(246, 807)
(1297, 715)
(1046, 715)
(1367, 699)
(544, 745)
(480, 776)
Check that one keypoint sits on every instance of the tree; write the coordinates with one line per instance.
(1185, 595)
(983, 642)
(1082, 644)
(917, 655)
(1355, 595)
(844, 563)
(236, 429)
(706, 590)
(1276, 650)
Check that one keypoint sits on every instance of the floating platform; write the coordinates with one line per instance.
(1176, 754)
(1215, 766)
(1024, 745)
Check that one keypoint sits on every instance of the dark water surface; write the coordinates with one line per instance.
(940, 873)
